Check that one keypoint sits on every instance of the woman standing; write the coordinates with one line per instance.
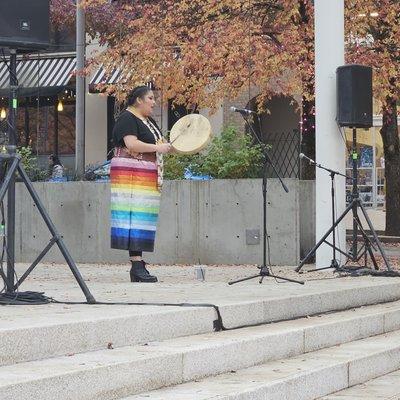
(136, 179)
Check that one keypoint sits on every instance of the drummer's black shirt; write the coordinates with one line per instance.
(128, 124)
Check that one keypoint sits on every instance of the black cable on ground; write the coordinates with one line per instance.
(361, 271)
(24, 298)
(38, 298)
(218, 323)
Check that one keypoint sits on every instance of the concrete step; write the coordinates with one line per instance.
(304, 377)
(38, 332)
(114, 373)
(386, 387)
(86, 328)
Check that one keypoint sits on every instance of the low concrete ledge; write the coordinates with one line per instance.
(206, 222)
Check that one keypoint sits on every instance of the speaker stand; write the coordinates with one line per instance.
(14, 161)
(355, 254)
(13, 165)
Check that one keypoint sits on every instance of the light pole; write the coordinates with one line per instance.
(80, 90)
(329, 144)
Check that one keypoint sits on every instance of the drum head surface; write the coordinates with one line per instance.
(190, 134)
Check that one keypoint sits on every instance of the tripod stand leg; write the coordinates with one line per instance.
(8, 177)
(366, 247)
(8, 186)
(262, 275)
(35, 263)
(286, 279)
(53, 230)
(3, 275)
(371, 254)
(376, 238)
(314, 249)
(244, 279)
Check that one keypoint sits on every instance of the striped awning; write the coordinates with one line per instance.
(42, 72)
(101, 76)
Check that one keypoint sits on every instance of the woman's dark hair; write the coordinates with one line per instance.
(138, 93)
(56, 161)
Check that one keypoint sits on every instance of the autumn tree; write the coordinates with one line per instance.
(202, 51)
(373, 38)
(198, 51)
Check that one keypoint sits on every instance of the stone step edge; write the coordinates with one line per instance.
(94, 334)
(63, 339)
(159, 362)
(386, 387)
(307, 377)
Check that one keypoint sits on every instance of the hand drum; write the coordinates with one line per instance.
(190, 134)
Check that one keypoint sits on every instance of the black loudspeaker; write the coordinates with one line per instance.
(354, 96)
(25, 24)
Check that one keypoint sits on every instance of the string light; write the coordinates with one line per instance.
(3, 113)
(60, 106)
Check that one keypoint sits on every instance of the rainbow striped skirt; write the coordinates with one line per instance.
(135, 204)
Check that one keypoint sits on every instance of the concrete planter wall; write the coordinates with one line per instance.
(205, 222)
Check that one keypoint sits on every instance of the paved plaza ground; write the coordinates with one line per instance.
(308, 333)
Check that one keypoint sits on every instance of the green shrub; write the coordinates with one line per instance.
(30, 165)
(175, 165)
(231, 155)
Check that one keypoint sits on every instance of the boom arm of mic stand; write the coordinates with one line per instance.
(268, 159)
(328, 169)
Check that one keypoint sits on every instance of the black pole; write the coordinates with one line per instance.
(265, 233)
(55, 150)
(13, 104)
(334, 262)
(355, 195)
(27, 122)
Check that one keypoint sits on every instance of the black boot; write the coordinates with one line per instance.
(139, 273)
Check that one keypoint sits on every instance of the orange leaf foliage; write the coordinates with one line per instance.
(201, 51)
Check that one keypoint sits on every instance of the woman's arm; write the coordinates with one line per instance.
(134, 145)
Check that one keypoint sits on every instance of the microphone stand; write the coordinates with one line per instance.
(332, 174)
(355, 254)
(264, 269)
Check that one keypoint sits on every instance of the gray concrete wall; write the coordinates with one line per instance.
(206, 222)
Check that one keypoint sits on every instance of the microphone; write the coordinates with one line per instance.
(242, 110)
(311, 161)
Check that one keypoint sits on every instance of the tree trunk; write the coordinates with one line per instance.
(391, 148)
(308, 139)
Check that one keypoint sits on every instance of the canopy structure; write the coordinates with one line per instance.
(101, 76)
(47, 75)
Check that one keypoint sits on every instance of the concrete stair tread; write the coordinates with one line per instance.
(82, 328)
(78, 329)
(308, 376)
(147, 367)
(390, 312)
(386, 387)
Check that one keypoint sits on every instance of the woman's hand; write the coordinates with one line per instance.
(163, 148)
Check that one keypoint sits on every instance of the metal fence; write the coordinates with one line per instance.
(284, 153)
